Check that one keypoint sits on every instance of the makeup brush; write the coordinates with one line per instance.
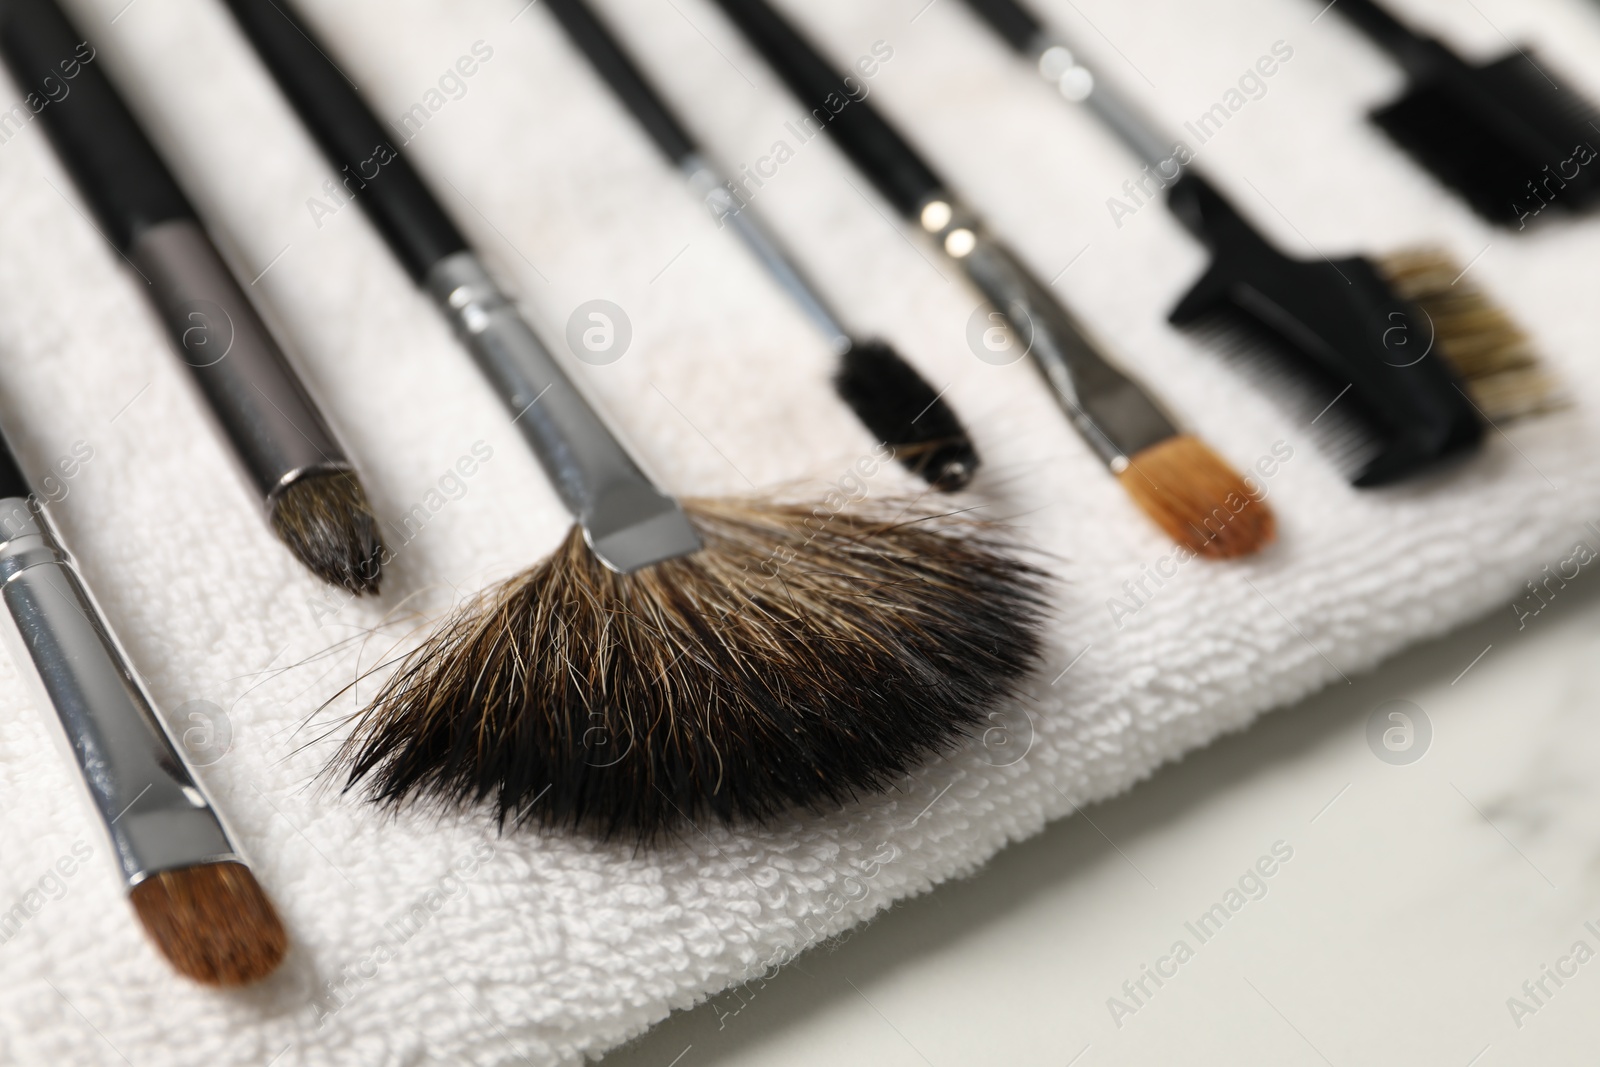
(886, 393)
(313, 499)
(722, 658)
(1392, 361)
(1508, 136)
(187, 882)
(1173, 476)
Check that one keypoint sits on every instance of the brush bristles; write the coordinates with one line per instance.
(213, 923)
(1493, 356)
(1200, 501)
(328, 524)
(903, 411)
(801, 658)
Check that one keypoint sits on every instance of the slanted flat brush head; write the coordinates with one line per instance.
(903, 411)
(1511, 137)
(802, 658)
(213, 923)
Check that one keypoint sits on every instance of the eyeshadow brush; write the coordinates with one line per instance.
(729, 659)
(1397, 357)
(1173, 476)
(188, 884)
(886, 393)
(312, 497)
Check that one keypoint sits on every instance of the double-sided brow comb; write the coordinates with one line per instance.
(886, 393)
(312, 496)
(1176, 479)
(720, 658)
(187, 883)
(1505, 135)
(1361, 341)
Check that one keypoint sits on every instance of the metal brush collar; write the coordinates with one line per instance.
(628, 522)
(140, 787)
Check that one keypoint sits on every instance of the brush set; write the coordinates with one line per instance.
(679, 659)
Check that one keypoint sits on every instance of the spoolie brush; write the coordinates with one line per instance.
(1394, 363)
(1506, 136)
(724, 659)
(887, 394)
(1121, 422)
(313, 500)
(200, 904)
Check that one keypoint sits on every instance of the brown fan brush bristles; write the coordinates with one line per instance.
(212, 922)
(1198, 499)
(1494, 357)
(799, 659)
(328, 524)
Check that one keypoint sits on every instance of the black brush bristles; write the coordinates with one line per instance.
(899, 407)
(802, 658)
(1506, 136)
(328, 524)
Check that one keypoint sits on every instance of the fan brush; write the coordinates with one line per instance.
(192, 892)
(669, 661)
(887, 394)
(1506, 136)
(1174, 477)
(313, 500)
(1395, 363)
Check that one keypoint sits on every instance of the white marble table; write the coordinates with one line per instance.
(1418, 900)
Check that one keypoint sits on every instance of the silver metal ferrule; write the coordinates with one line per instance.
(1059, 65)
(144, 794)
(627, 520)
(259, 402)
(710, 185)
(1113, 413)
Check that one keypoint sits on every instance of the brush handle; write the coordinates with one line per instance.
(143, 793)
(886, 158)
(119, 172)
(1419, 55)
(394, 196)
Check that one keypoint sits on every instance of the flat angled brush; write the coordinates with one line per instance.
(1506, 136)
(1189, 491)
(1402, 352)
(313, 499)
(730, 659)
(886, 393)
(187, 882)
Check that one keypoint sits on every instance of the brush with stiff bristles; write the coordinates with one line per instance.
(185, 878)
(730, 659)
(314, 502)
(887, 394)
(1510, 137)
(1395, 363)
(1173, 476)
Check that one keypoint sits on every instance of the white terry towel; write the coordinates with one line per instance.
(419, 939)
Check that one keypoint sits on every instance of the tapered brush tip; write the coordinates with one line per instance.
(903, 411)
(328, 524)
(1198, 499)
(213, 922)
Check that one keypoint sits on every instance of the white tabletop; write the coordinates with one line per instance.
(1417, 901)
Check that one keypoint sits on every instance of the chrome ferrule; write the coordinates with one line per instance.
(139, 786)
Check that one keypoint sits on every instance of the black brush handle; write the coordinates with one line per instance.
(899, 173)
(1010, 20)
(394, 196)
(13, 483)
(597, 42)
(1419, 55)
(114, 165)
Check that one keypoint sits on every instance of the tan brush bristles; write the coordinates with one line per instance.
(213, 922)
(1200, 501)
(1494, 357)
